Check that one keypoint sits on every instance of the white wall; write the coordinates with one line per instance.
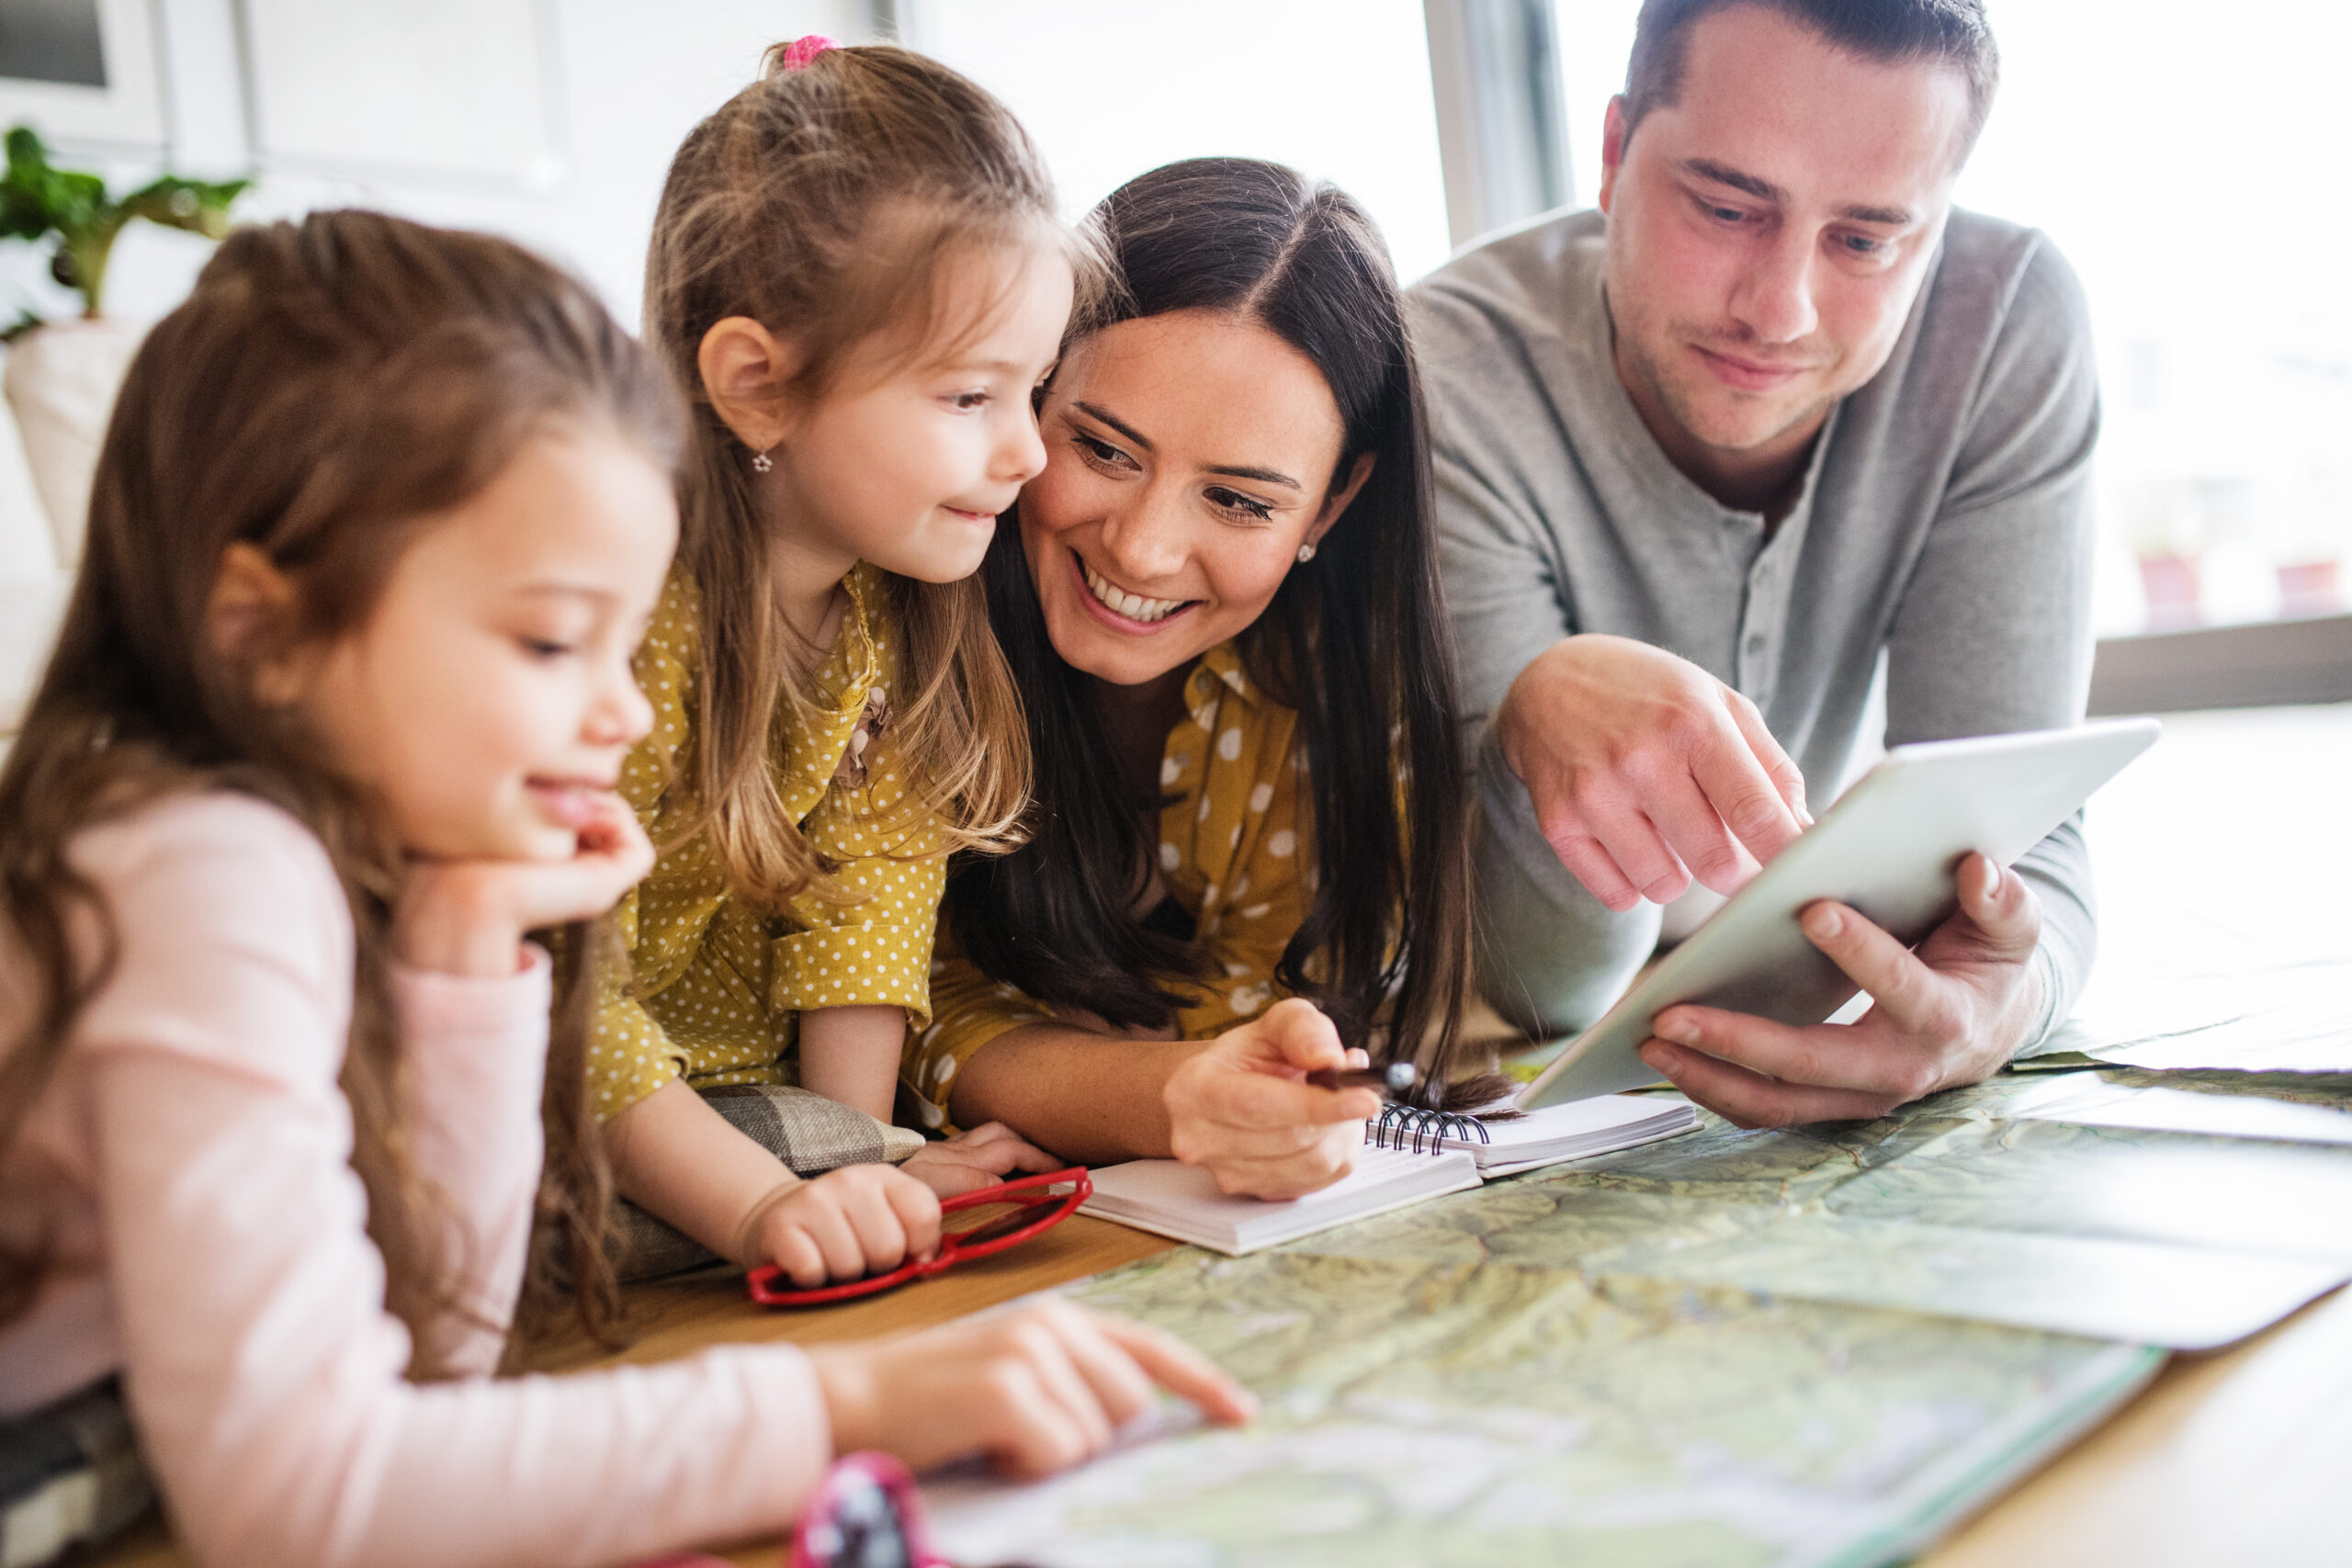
(1110, 88)
(1338, 88)
(633, 78)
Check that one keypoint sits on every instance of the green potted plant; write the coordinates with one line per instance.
(61, 376)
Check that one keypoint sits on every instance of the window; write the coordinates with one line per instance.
(1338, 88)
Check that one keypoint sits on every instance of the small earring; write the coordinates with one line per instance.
(1306, 554)
(761, 462)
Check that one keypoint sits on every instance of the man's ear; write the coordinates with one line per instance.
(1614, 129)
(247, 617)
(1335, 506)
(745, 369)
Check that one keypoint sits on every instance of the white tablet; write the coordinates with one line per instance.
(1890, 848)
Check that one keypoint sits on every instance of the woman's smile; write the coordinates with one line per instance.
(1115, 607)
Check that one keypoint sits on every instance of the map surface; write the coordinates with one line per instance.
(1488, 1413)
(1814, 1345)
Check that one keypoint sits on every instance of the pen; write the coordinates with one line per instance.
(1395, 1080)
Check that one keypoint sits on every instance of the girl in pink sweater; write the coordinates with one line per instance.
(334, 722)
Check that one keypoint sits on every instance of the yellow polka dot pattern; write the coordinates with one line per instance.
(717, 987)
(1234, 850)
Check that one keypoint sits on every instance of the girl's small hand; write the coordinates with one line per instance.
(1242, 1108)
(469, 917)
(981, 1157)
(613, 856)
(1033, 1391)
(844, 1224)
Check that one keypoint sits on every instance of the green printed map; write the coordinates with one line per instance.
(1492, 1413)
(1814, 1346)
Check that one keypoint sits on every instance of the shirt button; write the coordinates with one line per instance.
(1754, 646)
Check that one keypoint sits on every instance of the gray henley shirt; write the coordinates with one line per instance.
(1944, 524)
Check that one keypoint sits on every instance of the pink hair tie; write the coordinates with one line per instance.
(801, 50)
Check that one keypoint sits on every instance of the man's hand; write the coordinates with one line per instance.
(1243, 1108)
(1644, 770)
(1950, 1013)
(981, 1157)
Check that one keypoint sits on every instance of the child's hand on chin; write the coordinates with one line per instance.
(981, 1157)
(843, 1225)
(468, 916)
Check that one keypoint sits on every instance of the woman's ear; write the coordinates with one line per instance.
(745, 369)
(247, 617)
(1334, 505)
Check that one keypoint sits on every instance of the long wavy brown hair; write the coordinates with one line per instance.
(827, 201)
(326, 388)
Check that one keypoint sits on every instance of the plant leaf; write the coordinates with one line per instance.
(198, 206)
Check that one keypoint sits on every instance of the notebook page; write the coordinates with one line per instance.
(1577, 1119)
(1183, 1201)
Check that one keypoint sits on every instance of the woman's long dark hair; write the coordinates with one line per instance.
(1355, 641)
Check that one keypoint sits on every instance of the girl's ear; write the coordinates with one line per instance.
(1336, 506)
(745, 369)
(252, 608)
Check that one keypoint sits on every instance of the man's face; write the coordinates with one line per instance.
(1769, 230)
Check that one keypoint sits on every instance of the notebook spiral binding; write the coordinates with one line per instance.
(1434, 1126)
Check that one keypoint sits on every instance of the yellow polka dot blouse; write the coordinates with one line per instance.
(1233, 852)
(718, 987)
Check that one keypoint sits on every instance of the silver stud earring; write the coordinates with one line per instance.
(1306, 554)
(761, 462)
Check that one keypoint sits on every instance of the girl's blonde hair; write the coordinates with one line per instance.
(827, 201)
(328, 387)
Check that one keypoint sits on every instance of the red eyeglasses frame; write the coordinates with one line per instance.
(762, 1282)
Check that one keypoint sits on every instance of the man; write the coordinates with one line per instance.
(1774, 418)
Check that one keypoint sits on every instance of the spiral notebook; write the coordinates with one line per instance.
(1577, 1130)
(1415, 1155)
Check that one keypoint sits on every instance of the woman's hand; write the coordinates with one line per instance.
(1033, 1391)
(469, 917)
(844, 1224)
(980, 1157)
(1243, 1109)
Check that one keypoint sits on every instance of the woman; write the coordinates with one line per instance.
(1220, 602)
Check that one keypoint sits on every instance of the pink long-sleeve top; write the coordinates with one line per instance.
(188, 1164)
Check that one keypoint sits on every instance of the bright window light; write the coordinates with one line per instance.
(1338, 88)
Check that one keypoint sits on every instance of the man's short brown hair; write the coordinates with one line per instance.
(1944, 32)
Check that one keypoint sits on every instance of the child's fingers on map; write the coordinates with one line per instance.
(1181, 1370)
(1119, 1382)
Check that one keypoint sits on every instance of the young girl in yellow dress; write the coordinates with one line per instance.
(857, 275)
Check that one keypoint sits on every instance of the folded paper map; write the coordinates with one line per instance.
(1814, 1346)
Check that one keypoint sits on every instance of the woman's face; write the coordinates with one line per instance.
(1188, 456)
